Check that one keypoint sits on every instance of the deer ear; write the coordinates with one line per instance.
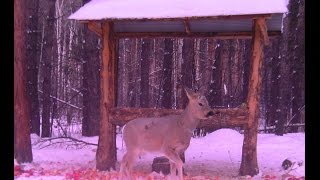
(191, 94)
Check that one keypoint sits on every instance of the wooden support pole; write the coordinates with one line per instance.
(233, 117)
(93, 26)
(106, 156)
(249, 164)
(186, 26)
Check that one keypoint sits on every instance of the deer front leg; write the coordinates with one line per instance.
(127, 164)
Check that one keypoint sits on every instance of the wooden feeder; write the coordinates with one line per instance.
(227, 19)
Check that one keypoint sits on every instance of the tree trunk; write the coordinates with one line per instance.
(249, 163)
(167, 74)
(272, 87)
(187, 67)
(22, 142)
(48, 55)
(146, 50)
(123, 77)
(246, 69)
(284, 76)
(129, 49)
(296, 45)
(33, 64)
(91, 84)
(225, 72)
(106, 156)
(215, 93)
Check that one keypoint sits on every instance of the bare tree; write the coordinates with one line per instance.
(187, 67)
(215, 93)
(167, 73)
(33, 63)
(297, 43)
(22, 142)
(146, 50)
(91, 83)
(271, 82)
(48, 55)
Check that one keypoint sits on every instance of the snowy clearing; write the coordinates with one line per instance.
(215, 156)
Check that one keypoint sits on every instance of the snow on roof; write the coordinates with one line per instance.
(155, 9)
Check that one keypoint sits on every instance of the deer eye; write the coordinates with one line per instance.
(200, 104)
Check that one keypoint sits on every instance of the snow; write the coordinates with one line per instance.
(216, 155)
(139, 9)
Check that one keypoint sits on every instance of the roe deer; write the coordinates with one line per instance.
(168, 135)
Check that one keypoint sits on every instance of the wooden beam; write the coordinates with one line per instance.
(233, 117)
(106, 152)
(225, 17)
(95, 27)
(215, 35)
(264, 31)
(186, 26)
(249, 164)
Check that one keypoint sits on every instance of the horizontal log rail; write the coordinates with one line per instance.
(214, 35)
(223, 118)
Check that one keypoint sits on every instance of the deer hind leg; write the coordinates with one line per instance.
(173, 168)
(127, 164)
(174, 157)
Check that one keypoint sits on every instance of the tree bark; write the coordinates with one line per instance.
(272, 84)
(22, 142)
(215, 93)
(167, 73)
(146, 50)
(91, 83)
(107, 154)
(33, 64)
(187, 67)
(249, 163)
(296, 45)
(47, 66)
(284, 78)
(246, 69)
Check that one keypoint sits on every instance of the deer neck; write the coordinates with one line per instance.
(188, 120)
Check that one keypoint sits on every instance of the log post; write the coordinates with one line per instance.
(106, 156)
(249, 164)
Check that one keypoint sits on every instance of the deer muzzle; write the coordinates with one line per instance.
(210, 113)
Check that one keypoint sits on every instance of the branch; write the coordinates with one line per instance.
(300, 109)
(70, 138)
(62, 101)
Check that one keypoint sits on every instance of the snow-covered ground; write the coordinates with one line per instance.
(215, 156)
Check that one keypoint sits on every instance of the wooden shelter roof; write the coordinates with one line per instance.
(195, 16)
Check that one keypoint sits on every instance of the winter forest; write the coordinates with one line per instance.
(63, 72)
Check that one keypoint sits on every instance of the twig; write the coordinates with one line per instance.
(65, 102)
(300, 109)
(70, 138)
